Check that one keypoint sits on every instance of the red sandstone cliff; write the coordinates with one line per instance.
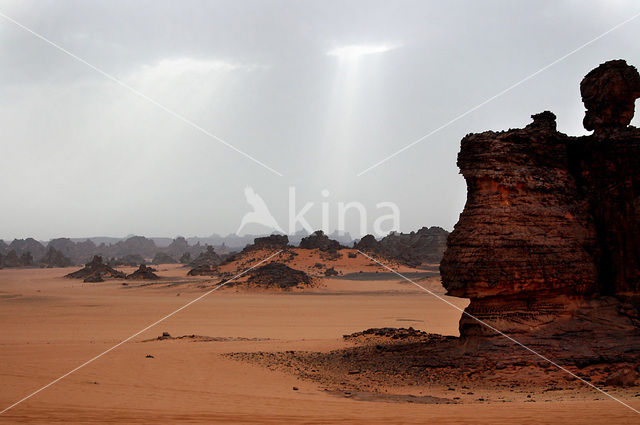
(551, 225)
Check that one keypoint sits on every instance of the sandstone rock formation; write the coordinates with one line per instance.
(549, 239)
(30, 245)
(609, 93)
(426, 246)
(273, 242)
(54, 258)
(318, 240)
(96, 269)
(143, 273)
(13, 260)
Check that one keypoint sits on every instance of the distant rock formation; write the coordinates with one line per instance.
(13, 260)
(162, 258)
(143, 273)
(426, 246)
(54, 258)
(207, 258)
(30, 245)
(4, 248)
(96, 269)
(273, 242)
(318, 240)
(549, 239)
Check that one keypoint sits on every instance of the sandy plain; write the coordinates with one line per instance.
(49, 325)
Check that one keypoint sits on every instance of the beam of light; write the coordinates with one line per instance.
(356, 50)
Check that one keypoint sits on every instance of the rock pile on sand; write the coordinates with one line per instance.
(143, 273)
(278, 275)
(318, 240)
(96, 271)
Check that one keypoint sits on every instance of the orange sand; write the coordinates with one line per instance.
(49, 325)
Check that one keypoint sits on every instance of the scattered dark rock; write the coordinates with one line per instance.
(330, 272)
(427, 245)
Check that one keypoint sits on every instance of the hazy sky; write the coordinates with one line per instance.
(81, 156)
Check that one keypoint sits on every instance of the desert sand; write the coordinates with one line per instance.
(51, 325)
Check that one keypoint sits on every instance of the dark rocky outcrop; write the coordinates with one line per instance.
(426, 246)
(143, 273)
(278, 275)
(96, 269)
(13, 260)
(609, 93)
(318, 240)
(549, 239)
(54, 258)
